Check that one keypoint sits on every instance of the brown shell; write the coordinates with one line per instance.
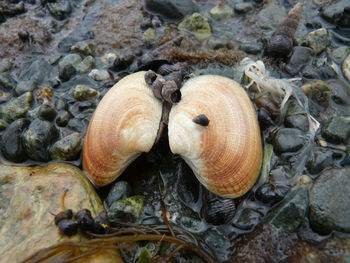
(124, 125)
(226, 155)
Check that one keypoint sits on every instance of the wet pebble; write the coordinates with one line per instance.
(288, 140)
(198, 25)
(270, 16)
(251, 48)
(338, 13)
(300, 57)
(7, 82)
(337, 130)
(25, 86)
(70, 59)
(340, 53)
(221, 12)
(318, 40)
(86, 48)
(46, 112)
(171, 9)
(86, 65)
(329, 210)
(63, 118)
(37, 139)
(99, 74)
(3, 125)
(320, 159)
(318, 90)
(296, 118)
(128, 209)
(67, 148)
(119, 190)
(59, 9)
(67, 72)
(5, 65)
(271, 193)
(12, 147)
(16, 107)
(243, 7)
(84, 92)
(248, 219)
(38, 70)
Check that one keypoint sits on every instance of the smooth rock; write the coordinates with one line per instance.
(16, 107)
(243, 8)
(290, 214)
(337, 130)
(248, 219)
(221, 12)
(119, 190)
(7, 82)
(11, 146)
(340, 53)
(270, 16)
(25, 86)
(99, 74)
(340, 91)
(37, 138)
(86, 48)
(67, 72)
(59, 9)
(84, 92)
(288, 140)
(67, 148)
(46, 112)
(196, 24)
(296, 118)
(300, 57)
(28, 198)
(128, 209)
(318, 40)
(121, 62)
(271, 193)
(346, 68)
(318, 90)
(251, 48)
(171, 9)
(338, 13)
(70, 59)
(320, 159)
(38, 71)
(5, 65)
(63, 118)
(86, 65)
(329, 206)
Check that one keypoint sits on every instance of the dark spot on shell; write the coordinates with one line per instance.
(202, 120)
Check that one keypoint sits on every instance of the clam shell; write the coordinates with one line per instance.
(226, 155)
(124, 125)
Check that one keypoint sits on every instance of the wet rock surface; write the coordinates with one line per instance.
(29, 226)
(328, 211)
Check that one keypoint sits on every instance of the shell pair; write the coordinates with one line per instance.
(225, 155)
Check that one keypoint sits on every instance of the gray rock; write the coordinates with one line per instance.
(318, 40)
(329, 206)
(7, 82)
(171, 9)
(59, 9)
(5, 65)
(37, 139)
(63, 118)
(99, 74)
(337, 130)
(67, 72)
(248, 219)
(11, 147)
(84, 47)
(296, 118)
(320, 159)
(84, 92)
(339, 54)
(16, 108)
(119, 190)
(25, 86)
(70, 59)
(252, 48)
(38, 71)
(290, 214)
(243, 8)
(338, 13)
(270, 16)
(221, 12)
(300, 57)
(128, 209)
(340, 91)
(68, 148)
(288, 140)
(86, 65)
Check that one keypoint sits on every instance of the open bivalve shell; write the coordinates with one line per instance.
(226, 154)
(214, 128)
(124, 125)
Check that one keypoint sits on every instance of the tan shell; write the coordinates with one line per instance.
(124, 125)
(226, 155)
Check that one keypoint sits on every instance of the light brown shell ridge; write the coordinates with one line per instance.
(226, 155)
(124, 125)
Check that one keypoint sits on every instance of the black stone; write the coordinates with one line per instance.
(67, 72)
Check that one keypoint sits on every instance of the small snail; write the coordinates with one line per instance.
(212, 125)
